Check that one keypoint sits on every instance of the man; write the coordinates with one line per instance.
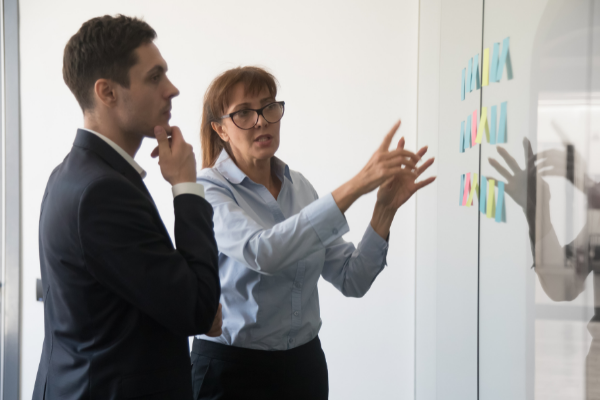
(120, 300)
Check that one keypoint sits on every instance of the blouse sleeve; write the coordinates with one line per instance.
(352, 270)
(269, 251)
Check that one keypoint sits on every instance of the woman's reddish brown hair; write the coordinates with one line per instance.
(216, 101)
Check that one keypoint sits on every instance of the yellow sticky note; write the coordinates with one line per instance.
(482, 125)
(491, 197)
(474, 188)
(485, 73)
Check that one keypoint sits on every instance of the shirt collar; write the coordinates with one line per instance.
(121, 152)
(233, 174)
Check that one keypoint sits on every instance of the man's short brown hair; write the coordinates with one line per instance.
(104, 47)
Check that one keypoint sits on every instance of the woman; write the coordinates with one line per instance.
(275, 238)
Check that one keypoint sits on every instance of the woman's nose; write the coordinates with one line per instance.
(261, 122)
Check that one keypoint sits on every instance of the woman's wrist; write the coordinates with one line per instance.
(382, 219)
(346, 194)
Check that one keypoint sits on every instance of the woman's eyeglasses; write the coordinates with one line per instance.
(247, 119)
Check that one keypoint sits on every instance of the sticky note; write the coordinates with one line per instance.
(462, 85)
(474, 128)
(475, 73)
(467, 188)
(493, 124)
(485, 68)
(482, 194)
(500, 205)
(462, 189)
(504, 60)
(474, 187)
(494, 63)
(491, 207)
(467, 135)
(501, 137)
(468, 77)
(482, 126)
(462, 137)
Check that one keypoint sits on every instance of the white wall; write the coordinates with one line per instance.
(347, 71)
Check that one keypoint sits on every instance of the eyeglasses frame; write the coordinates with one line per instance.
(259, 112)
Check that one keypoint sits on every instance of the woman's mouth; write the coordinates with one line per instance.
(264, 139)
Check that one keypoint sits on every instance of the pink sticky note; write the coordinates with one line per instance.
(474, 127)
(467, 188)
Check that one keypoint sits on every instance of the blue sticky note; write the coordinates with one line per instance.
(502, 128)
(462, 189)
(500, 203)
(468, 77)
(493, 124)
(502, 60)
(468, 133)
(462, 137)
(482, 194)
(475, 84)
(462, 86)
(494, 63)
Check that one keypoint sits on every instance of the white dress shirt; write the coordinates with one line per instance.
(180, 188)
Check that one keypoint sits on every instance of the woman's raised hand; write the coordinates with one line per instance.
(399, 188)
(382, 166)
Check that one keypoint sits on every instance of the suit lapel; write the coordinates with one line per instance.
(89, 141)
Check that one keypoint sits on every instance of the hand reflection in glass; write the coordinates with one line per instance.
(562, 270)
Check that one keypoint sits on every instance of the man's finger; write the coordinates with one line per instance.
(385, 145)
(163, 140)
(176, 136)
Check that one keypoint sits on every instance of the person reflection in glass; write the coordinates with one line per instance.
(562, 270)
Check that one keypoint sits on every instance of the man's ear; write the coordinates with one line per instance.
(220, 131)
(105, 92)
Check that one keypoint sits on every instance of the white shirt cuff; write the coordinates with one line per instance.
(188, 188)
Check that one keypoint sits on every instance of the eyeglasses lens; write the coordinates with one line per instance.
(273, 112)
(246, 119)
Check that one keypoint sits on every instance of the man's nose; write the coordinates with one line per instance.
(173, 91)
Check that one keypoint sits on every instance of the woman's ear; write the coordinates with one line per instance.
(220, 131)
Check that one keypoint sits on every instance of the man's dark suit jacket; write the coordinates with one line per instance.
(119, 300)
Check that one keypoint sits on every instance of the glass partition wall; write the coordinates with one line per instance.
(519, 141)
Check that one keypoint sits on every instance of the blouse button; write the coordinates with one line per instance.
(335, 231)
(296, 313)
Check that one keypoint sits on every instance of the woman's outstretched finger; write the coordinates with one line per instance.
(402, 153)
(401, 143)
(400, 162)
(422, 151)
(425, 165)
(424, 182)
(385, 145)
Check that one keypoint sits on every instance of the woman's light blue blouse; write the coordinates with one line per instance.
(272, 252)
